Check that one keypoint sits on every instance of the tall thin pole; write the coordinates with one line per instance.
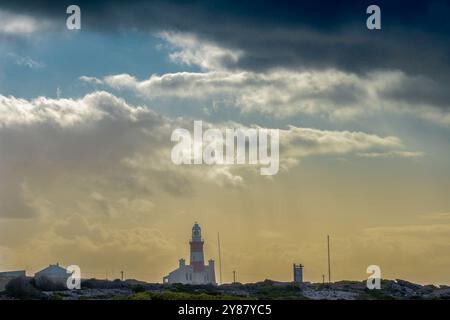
(121, 275)
(220, 258)
(329, 264)
(234, 276)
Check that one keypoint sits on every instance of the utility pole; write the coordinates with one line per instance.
(121, 275)
(234, 277)
(329, 264)
(220, 258)
(323, 279)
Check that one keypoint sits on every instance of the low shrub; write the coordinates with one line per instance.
(22, 288)
(138, 288)
(46, 284)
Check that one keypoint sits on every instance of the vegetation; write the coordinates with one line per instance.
(170, 295)
(375, 295)
(46, 284)
(103, 284)
(138, 288)
(270, 292)
(93, 289)
(23, 288)
(57, 296)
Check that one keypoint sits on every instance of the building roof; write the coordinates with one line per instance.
(12, 273)
(54, 269)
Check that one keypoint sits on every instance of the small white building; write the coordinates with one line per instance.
(53, 273)
(196, 272)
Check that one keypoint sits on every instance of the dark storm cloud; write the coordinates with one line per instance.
(420, 90)
(292, 34)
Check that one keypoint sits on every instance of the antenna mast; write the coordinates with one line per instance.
(329, 266)
(220, 258)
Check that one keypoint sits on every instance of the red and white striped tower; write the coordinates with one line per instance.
(197, 260)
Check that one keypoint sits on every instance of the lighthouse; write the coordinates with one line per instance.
(197, 259)
(196, 272)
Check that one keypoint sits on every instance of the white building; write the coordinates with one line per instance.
(53, 273)
(196, 272)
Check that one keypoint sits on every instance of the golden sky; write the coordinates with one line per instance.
(384, 219)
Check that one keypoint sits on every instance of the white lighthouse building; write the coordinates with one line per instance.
(196, 272)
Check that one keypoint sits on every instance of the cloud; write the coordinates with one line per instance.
(76, 143)
(92, 244)
(283, 93)
(92, 80)
(79, 164)
(13, 200)
(370, 69)
(390, 154)
(102, 148)
(120, 81)
(297, 143)
(436, 216)
(26, 61)
(66, 112)
(189, 50)
(345, 94)
(315, 141)
(284, 34)
(83, 173)
(333, 93)
(14, 24)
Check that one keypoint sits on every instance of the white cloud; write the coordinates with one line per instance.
(330, 93)
(282, 93)
(92, 80)
(26, 61)
(65, 112)
(297, 143)
(121, 81)
(13, 24)
(189, 50)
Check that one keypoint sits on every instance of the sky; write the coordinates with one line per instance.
(86, 118)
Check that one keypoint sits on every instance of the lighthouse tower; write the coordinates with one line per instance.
(196, 272)
(197, 259)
